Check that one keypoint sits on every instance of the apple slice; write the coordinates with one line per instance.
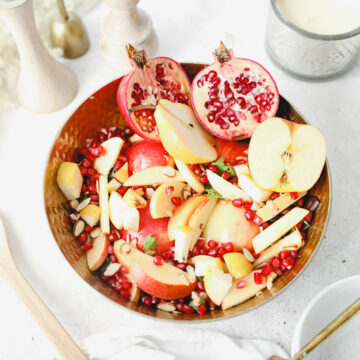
(184, 237)
(227, 223)
(113, 185)
(91, 214)
(217, 284)
(183, 212)
(125, 253)
(241, 169)
(112, 269)
(161, 204)
(225, 188)
(200, 217)
(154, 175)
(134, 291)
(293, 240)
(69, 180)
(237, 264)
(236, 296)
(182, 135)
(202, 262)
(275, 207)
(285, 156)
(122, 174)
(246, 183)
(279, 228)
(97, 255)
(104, 204)
(103, 164)
(164, 281)
(190, 177)
(133, 199)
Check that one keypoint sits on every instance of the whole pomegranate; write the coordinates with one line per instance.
(232, 96)
(149, 81)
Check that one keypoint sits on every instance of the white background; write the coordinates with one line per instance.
(188, 31)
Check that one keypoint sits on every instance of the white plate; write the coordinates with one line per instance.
(344, 344)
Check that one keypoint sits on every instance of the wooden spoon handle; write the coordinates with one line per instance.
(55, 332)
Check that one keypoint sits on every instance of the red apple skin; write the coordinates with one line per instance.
(157, 228)
(230, 150)
(156, 288)
(145, 154)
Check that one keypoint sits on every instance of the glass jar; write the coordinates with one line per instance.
(307, 55)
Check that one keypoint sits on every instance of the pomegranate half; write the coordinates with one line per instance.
(232, 96)
(149, 81)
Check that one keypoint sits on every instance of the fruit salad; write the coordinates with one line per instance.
(202, 201)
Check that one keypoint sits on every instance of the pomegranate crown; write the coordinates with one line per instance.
(138, 56)
(222, 53)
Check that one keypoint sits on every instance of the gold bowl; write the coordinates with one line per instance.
(101, 110)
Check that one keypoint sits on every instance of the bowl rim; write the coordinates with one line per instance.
(187, 321)
(295, 344)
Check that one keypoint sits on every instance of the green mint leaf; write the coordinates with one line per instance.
(220, 164)
(191, 303)
(202, 299)
(149, 243)
(212, 193)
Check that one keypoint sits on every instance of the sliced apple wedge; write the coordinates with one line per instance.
(246, 183)
(154, 175)
(182, 135)
(202, 262)
(285, 156)
(113, 185)
(122, 174)
(237, 264)
(103, 164)
(70, 180)
(236, 296)
(279, 228)
(161, 204)
(112, 269)
(217, 284)
(104, 204)
(91, 214)
(293, 240)
(200, 217)
(190, 177)
(97, 255)
(184, 237)
(225, 188)
(134, 291)
(183, 212)
(275, 207)
(164, 281)
(133, 199)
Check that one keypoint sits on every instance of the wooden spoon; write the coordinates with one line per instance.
(55, 332)
(326, 332)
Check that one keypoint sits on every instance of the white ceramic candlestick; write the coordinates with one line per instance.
(125, 24)
(44, 85)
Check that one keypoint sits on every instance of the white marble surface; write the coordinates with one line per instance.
(188, 31)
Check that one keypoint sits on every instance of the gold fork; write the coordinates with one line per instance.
(55, 332)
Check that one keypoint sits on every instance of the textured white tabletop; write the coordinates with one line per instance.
(188, 31)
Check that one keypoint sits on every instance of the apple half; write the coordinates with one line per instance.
(285, 156)
(182, 135)
(97, 255)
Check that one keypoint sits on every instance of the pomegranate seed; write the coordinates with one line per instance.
(83, 170)
(294, 195)
(84, 188)
(204, 179)
(288, 263)
(274, 195)
(213, 168)
(258, 278)
(267, 270)
(92, 189)
(87, 246)
(203, 252)
(180, 307)
(265, 225)
(88, 228)
(158, 260)
(300, 202)
(181, 266)
(85, 163)
(202, 309)
(293, 254)
(200, 286)
(309, 216)
(155, 300)
(257, 220)
(275, 263)
(222, 252)
(113, 259)
(146, 300)
(225, 175)
(83, 238)
(197, 170)
(233, 180)
(229, 247)
(212, 244)
(212, 252)
(238, 203)
(249, 215)
(241, 284)
(299, 225)
(248, 205)
(169, 190)
(283, 254)
(187, 309)
(167, 254)
(176, 200)
(254, 254)
(110, 250)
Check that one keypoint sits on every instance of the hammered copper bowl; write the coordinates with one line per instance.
(100, 110)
